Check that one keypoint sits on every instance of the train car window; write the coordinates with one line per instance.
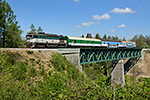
(28, 36)
(104, 42)
(74, 41)
(89, 42)
(35, 36)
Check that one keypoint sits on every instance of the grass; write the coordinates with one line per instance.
(62, 80)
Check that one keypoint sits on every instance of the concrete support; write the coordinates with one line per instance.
(73, 56)
(117, 75)
(143, 53)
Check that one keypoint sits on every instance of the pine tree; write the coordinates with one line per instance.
(8, 26)
(33, 30)
(97, 36)
(39, 30)
(104, 37)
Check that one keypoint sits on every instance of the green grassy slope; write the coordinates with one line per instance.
(31, 79)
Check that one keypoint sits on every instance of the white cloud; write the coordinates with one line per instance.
(111, 30)
(76, 0)
(140, 29)
(122, 25)
(85, 24)
(77, 26)
(105, 16)
(126, 10)
(89, 23)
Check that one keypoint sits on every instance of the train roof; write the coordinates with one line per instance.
(110, 40)
(53, 35)
(128, 42)
(79, 38)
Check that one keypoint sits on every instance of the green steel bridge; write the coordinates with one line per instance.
(107, 54)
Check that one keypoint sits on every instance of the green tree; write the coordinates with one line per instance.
(8, 26)
(40, 30)
(89, 35)
(33, 30)
(139, 43)
(124, 39)
(109, 37)
(82, 36)
(104, 37)
(97, 36)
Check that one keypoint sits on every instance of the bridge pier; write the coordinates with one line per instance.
(117, 75)
(72, 55)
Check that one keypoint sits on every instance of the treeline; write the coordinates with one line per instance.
(97, 36)
(34, 30)
(141, 41)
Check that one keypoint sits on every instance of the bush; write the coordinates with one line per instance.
(59, 61)
(19, 71)
(29, 52)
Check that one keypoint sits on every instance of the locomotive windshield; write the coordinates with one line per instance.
(28, 36)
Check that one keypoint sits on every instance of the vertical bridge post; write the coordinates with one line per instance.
(72, 55)
(117, 75)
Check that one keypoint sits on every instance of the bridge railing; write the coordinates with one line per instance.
(107, 54)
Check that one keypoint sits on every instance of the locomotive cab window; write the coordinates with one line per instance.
(29, 36)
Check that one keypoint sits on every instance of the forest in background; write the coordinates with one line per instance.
(10, 31)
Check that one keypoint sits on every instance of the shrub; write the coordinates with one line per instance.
(59, 61)
(19, 71)
(29, 52)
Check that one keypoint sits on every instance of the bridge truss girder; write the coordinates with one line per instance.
(107, 54)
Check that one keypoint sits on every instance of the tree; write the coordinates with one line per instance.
(109, 37)
(39, 30)
(89, 35)
(97, 36)
(104, 37)
(116, 38)
(147, 39)
(139, 43)
(82, 36)
(8, 25)
(33, 30)
(124, 39)
(135, 38)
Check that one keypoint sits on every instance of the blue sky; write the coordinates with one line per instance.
(124, 18)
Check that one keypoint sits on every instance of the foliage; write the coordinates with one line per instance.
(97, 36)
(141, 41)
(29, 52)
(9, 30)
(89, 35)
(34, 30)
(21, 81)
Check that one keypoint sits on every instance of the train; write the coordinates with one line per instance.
(53, 41)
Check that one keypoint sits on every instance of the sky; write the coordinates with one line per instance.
(122, 18)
